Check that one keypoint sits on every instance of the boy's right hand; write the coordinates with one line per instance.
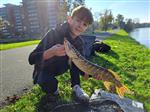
(59, 50)
(56, 50)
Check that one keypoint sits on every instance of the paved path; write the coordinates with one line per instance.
(15, 72)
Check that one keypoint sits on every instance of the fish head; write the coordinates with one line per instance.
(69, 48)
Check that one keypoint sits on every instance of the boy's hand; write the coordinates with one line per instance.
(59, 50)
(56, 50)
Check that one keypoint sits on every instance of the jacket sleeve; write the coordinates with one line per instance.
(36, 56)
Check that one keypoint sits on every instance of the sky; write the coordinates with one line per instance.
(128, 8)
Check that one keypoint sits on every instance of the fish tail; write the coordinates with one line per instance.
(110, 86)
(122, 90)
(107, 85)
(113, 73)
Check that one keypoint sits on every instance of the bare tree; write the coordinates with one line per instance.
(1, 23)
(71, 4)
(106, 19)
(4, 25)
(62, 12)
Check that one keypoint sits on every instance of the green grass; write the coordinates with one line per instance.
(127, 58)
(18, 44)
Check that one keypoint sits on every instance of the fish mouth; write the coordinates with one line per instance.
(69, 47)
(65, 40)
(67, 44)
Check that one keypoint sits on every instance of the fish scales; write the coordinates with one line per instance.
(96, 71)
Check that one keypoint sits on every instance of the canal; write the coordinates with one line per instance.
(142, 35)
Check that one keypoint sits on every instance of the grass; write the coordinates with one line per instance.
(18, 44)
(127, 58)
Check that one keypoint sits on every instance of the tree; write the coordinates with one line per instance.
(129, 25)
(77, 3)
(120, 20)
(106, 19)
(97, 16)
(1, 27)
(4, 24)
(136, 22)
(62, 12)
(1, 23)
(71, 4)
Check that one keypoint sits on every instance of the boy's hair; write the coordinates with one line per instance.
(82, 13)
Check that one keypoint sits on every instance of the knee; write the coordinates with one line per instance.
(49, 86)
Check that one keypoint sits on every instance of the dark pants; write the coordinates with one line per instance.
(48, 81)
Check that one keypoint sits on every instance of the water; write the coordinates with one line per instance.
(142, 35)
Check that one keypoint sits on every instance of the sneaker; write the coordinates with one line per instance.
(80, 94)
(56, 93)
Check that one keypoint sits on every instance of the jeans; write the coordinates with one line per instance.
(48, 81)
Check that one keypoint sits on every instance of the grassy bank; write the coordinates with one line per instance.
(18, 44)
(127, 58)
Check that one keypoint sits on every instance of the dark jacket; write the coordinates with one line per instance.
(52, 37)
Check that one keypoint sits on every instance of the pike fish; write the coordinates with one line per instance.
(108, 76)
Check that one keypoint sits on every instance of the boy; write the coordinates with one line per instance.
(50, 58)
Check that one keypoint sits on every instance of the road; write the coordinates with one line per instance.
(15, 72)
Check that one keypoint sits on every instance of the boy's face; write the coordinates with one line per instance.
(77, 25)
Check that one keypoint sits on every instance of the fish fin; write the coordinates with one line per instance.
(86, 76)
(97, 77)
(116, 76)
(70, 62)
(122, 90)
(107, 85)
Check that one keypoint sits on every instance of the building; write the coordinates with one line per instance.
(19, 19)
(4, 29)
(13, 17)
(33, 17)
(42, 15)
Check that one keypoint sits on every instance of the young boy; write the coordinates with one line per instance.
(50, 58)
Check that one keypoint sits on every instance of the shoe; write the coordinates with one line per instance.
(56, 93)
(80, 94)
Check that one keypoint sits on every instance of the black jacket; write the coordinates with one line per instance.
(52, 37)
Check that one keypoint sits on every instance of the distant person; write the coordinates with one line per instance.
(49, 57)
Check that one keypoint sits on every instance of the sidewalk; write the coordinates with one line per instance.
(16, 73)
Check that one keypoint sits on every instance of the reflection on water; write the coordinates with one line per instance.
(142, 35)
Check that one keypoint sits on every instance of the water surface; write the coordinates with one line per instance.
(142, 35)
